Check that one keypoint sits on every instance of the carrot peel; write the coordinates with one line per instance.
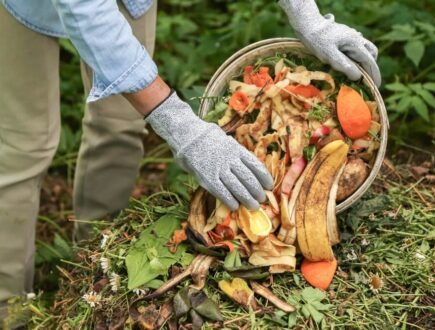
(319, 273)
(239, 101)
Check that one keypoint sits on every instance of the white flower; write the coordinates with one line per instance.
(105, 264)
(352, 255)
(365, 242)
(104, 241)
(115, 281)
(139, 292)
(419, 256)
(391, 214)
(92, 298)
(31, 296)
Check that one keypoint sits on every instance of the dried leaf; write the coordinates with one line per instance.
(181, 302)
(204, 306)
(164, 314)
(145, 317)
(239, 291)
(197, 320)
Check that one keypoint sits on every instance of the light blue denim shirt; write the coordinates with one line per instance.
(100, 33)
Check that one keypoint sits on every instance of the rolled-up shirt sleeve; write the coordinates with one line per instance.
(105, 41)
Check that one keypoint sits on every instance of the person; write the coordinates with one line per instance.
(115, 41)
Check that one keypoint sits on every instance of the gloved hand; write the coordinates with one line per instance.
(332, 42)
(220, 164)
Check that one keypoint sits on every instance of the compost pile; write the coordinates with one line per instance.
(317, 135)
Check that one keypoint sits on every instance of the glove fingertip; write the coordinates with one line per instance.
(352, 73)
(253, 205)
(232, 204)
(261, 196)
(268, 182)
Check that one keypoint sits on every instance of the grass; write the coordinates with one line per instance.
(384, 280)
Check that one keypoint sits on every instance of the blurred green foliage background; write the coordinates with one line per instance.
(195, 36)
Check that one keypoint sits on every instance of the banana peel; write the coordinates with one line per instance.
(312, 202)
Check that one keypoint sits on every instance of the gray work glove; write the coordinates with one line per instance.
(332, 42)
(220, 164)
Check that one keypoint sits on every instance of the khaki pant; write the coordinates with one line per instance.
(109, 155)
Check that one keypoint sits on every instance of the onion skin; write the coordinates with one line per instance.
(319, 133)
(332, 136)
(354, 174)
(293, 173)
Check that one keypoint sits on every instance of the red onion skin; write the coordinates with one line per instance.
(293, 173)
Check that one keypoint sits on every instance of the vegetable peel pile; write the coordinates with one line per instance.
(318, 140)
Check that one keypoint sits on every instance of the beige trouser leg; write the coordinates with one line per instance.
(111, 148)
(29, 133)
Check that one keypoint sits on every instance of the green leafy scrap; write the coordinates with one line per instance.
(149, 257)
(217, 113)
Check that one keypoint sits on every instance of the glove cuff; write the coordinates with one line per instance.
(302, 14)
(175, 122)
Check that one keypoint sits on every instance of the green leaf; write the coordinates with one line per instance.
(292, 320)
(420, 107)
(316, 315)
(149, 257)
(186, 259)
(309, 152)
(427, 97)
(197, 320)
(404, 104)
(155, 284)
(414, 50)
(321, 307)
(398, 87)
(429, 86)
(217, 113)
(305, 311)
(310, 294)
(62, 246)
(402, 32)
(204, 305)
(230, 259)
(181, 302)
(431, 235)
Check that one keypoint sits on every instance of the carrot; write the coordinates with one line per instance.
(228, 244)
(178, 237)
(319, 273)
(308, 92)
(353, 113)
(247, 74)
(239, 101)
(260, 79)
